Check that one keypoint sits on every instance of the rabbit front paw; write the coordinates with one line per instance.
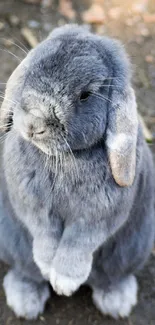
(65, 285)
(43, 253)
(44, 268)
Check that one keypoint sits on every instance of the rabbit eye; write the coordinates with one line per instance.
(84, 96)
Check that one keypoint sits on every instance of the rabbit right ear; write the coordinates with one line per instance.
(122, 136)
(13, 93)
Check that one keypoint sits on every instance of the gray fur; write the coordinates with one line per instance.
(62, 194)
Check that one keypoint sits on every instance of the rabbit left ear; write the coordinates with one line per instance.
(13, 93)
(11, 98)
(121, 136)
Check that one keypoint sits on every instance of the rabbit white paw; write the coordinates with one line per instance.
(43, 252)
(64, 285)
(119, 301)
(44, 268)
(27, 299)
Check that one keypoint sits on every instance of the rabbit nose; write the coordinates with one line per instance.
(32, 131)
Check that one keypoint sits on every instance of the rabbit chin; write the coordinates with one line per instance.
(49, 150)
(43, 148)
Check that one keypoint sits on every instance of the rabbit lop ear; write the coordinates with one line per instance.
(13, 93)
(121, 136)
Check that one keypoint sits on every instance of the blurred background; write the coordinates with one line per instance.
(24, 23)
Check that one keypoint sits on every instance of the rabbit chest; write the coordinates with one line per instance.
(69, 186)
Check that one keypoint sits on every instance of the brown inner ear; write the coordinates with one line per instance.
(123, 167)
(122, 137)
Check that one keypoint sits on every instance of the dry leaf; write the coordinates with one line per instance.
(146, 132)
(29, 37)
(99, 2)
(100, 29)
(139, 6)
(94, 15)
(149, 18)
(145, 32)
(115, 13)
(33, 1)
(66, 9)
(14, 20)
(2, 26)
(149, 58)
(142, 30)
(46, 3)
(8, 42)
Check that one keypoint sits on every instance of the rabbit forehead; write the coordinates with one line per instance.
(70, 64)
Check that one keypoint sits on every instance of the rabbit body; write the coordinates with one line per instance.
(68, 218)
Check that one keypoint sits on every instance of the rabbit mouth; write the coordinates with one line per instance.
(51, 147)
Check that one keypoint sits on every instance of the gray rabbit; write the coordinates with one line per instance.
(77, 184)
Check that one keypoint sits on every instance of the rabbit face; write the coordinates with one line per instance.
(61, 104)
(72, 91)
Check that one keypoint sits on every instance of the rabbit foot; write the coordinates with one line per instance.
(119, 301)
(26, 298)
(64, 285)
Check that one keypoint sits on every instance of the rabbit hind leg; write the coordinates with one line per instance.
(119, 300)
(25, 297)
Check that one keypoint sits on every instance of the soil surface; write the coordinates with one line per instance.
(138, 36)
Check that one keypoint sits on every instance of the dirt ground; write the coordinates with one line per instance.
(138, 35)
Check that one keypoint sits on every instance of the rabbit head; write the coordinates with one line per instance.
(72, 91)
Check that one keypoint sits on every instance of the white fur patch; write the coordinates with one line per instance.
(26, 299)
(119, 141)
(44, 268)
(63, 285)
(119, 301)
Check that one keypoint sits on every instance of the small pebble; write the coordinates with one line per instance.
(94, 15)
(100, 29)
(115, 13)
(142, 30)
(139, 40)
(46, 3)
(32, 1)
(149, 18)
(145, 32)
(132, 21)
(14, 20)
(61, 22)
(8, 42)
(70, 322)
(139, 6)
(33, 24)
(2, 26)
(47, 27)
(149, 58)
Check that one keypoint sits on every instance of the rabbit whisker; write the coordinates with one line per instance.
(9, 112)
(9, 100)
(5, 125)
(56, 169)
(111, 78)
(12, 36)
(15, 56)
(5, 39)
(61, 162)
(115, 87)
(101, 96)
(3, 136)
(73, 158)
